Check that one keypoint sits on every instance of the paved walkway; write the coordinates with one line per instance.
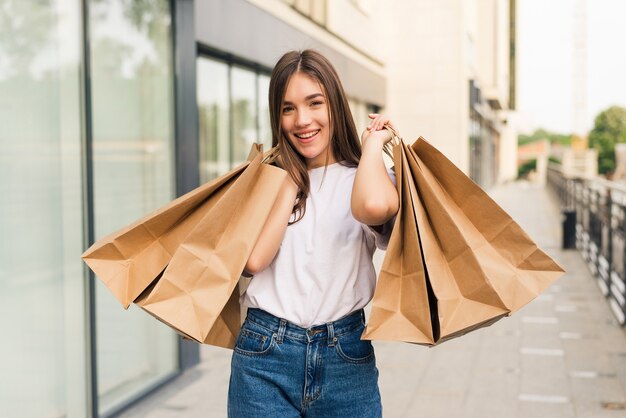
(563, 355)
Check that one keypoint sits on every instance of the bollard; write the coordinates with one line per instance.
(569, 228)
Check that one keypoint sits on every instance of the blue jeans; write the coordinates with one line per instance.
(279, 369)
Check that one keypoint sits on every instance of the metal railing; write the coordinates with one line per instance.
(599, 207)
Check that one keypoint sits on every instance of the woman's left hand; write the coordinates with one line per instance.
(376, 129)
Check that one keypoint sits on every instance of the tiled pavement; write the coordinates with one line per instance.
(563, 355)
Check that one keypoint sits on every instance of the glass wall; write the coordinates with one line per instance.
(132, 106)
(243, 99)
(214, 118)
(43, 364)
(265, 129)
(360, 111)
(233, 114)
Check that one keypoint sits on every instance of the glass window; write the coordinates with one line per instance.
(359, 114)
(243, 88)
(265, 130)
(43, 360)
(233, 114)
(213, 111)
(132, 103)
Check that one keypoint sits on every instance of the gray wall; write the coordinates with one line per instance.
(242, 29)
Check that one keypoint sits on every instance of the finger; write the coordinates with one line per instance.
(372, 116)
(376, 122)
(382, 121)
(385, 121)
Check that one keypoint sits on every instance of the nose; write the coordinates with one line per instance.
(303, 119)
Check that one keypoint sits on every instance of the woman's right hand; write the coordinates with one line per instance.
(376, 129)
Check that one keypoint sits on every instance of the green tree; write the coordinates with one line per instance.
(527, 167)
(609, 129)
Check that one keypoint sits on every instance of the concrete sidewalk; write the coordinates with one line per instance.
(563, 355)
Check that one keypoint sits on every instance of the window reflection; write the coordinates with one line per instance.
(265, 129)
(132, 100)
(43, 352)
(213, 111)
(233, 112)
(243, 87)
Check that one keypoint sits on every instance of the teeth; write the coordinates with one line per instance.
(307, 135)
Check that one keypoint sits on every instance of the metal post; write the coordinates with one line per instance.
(186, 125)
(88, 215)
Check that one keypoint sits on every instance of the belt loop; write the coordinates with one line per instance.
(281, 331)
(332, 340)
(363, 316)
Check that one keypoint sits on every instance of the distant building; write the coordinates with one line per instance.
(577, 162)
(451, 79)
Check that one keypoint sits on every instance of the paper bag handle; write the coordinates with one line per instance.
(396, 139)
(271, 155)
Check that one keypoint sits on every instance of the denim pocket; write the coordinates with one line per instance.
(254, 340)
(351, 348)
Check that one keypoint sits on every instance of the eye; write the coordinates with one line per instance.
(317, 103)
(287, 109)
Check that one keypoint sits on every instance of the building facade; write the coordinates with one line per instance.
(111, 108)
(451, 79)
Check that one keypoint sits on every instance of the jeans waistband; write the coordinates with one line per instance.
(329, 331)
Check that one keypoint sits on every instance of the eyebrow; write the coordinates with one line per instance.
(309, 97)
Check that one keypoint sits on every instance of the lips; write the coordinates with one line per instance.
(308, 136)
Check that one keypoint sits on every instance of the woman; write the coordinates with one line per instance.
(299, 352)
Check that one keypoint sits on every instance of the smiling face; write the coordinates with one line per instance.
(305, 120)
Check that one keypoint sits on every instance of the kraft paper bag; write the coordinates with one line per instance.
(465, 297)
(128, 260)
(518, 269)
(479, 264)
(400, 307)
(197, 294)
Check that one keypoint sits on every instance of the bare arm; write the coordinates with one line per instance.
(274, 229)
(374, 197)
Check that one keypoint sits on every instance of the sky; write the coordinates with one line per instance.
(545, 55)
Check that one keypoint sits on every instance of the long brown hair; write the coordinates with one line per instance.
(344, 141)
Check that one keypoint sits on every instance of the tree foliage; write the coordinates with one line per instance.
(524, 169)
(609, 129)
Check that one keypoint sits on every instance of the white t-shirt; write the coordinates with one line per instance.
(323, 269)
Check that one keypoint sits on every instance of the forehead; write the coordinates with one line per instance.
(300, 86)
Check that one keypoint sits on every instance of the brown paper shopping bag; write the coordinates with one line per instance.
(400, 307)
(197, 294)
(465, 297)
(128, 260)
(517, 268)
(479, 264)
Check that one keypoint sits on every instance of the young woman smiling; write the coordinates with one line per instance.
(299, 352)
